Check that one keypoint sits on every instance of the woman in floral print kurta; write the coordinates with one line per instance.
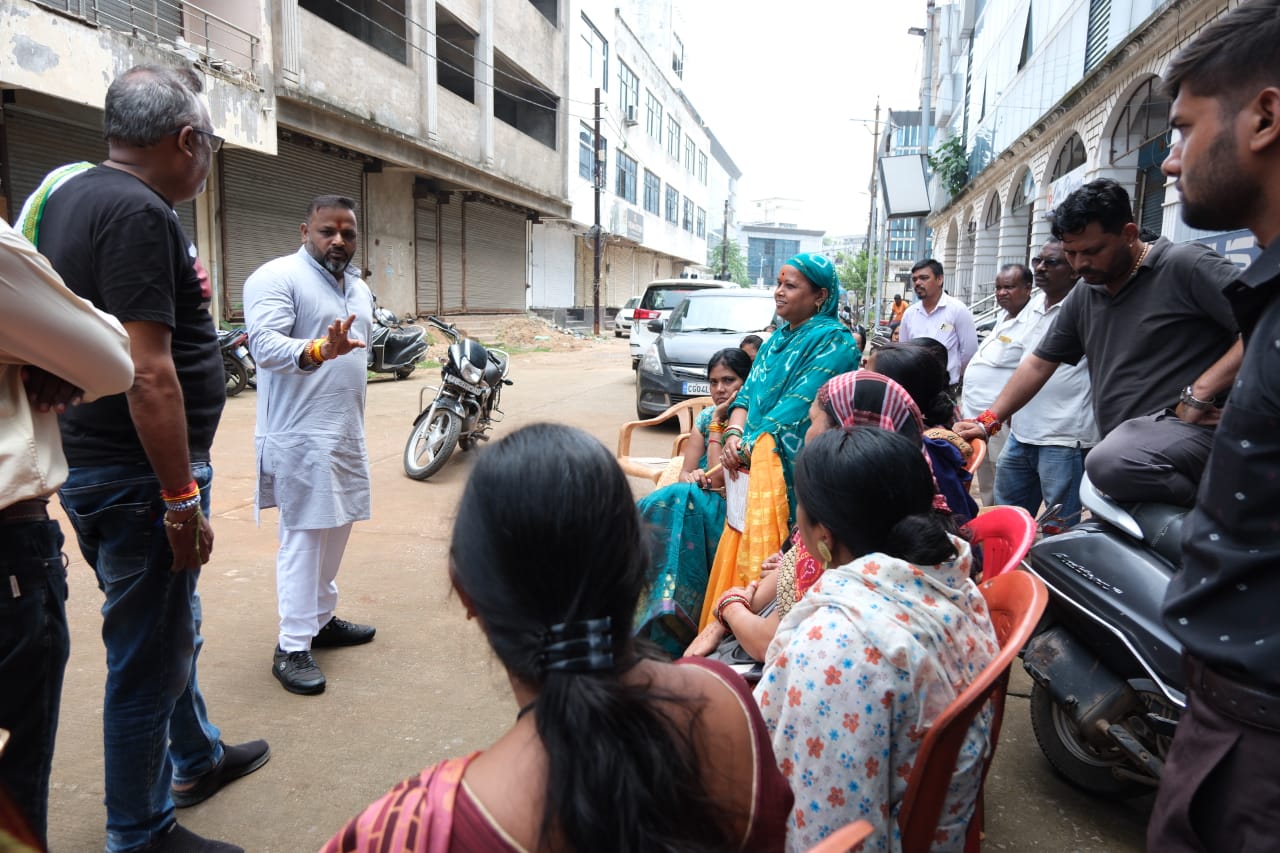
(878, 648)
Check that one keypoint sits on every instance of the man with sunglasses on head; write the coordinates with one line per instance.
(137, 490)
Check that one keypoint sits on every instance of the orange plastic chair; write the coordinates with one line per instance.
(979, 455)
(651, 467)
(844, 839)
(1015, 601)
(1005, 533)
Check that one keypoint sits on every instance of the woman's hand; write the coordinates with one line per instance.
(721, 412)
(771, 564)
(698, 477)
(729, 456)
(707, 641)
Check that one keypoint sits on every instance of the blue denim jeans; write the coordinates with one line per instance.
(34, 645)
(155, 725)
(1030, 474)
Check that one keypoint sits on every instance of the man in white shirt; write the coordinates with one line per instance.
(995, 361)
(936, 315)
(1043, 458)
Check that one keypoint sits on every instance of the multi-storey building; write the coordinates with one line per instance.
(446, 122)
(767, 245)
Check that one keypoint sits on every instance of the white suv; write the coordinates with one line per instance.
(657, 303)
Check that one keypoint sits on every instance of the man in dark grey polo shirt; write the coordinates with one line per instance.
(1161, 342)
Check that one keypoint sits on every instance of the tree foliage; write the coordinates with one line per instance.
(857, 275)
(737, 264)
(951, 164)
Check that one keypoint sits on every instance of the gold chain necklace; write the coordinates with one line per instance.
(1146, 247)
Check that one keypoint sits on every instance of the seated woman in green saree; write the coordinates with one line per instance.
(769, 418)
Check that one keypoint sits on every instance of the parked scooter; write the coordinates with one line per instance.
(393, 346)
(239, 365)
(1108, 686)
(464, 406)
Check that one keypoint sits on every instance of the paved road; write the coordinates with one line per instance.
(427, 687)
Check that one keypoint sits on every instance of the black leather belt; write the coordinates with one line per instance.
(1254, 704)
(32, 509)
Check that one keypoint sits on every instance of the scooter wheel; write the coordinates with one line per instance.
(430, 444)
(1074, 759)
(405, 372)
(237, 376)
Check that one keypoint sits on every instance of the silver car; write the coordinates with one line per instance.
(622, 323)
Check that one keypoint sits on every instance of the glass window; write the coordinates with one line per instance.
(701, 223)
(628, 90)
(586, 159)
(652, 192)
(673, 138)
(690, 155)
(597, 54)
(687, 222)
(653, 117)
(677, 56)
(626, 181)
(673, 205)
(702, 166)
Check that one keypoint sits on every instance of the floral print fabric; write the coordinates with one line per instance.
(857, 671)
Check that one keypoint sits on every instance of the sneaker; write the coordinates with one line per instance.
(298, 672)
(179, 839)
(339, 632)
(237, 761)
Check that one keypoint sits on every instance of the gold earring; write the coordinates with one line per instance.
(824, 553)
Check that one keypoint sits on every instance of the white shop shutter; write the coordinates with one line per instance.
(452, 248)
(496, 249)
(426, 241)
(264, 201)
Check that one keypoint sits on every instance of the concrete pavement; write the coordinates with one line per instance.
(427, 687)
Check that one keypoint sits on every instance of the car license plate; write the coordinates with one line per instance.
(697, 389)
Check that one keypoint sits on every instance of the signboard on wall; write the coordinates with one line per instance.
(905, 190)
(1063, 187)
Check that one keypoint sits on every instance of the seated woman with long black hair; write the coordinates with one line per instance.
(610, 751)
(892, 632)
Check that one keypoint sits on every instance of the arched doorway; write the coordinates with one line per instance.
(1015, 237)
(986, 252)
(1139, 144)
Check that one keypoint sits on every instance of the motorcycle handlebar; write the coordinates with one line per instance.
(448, 328)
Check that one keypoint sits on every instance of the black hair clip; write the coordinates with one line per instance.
(585, 646)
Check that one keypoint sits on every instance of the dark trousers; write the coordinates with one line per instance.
(1221, 785)
(34, 645)
(1156, 458)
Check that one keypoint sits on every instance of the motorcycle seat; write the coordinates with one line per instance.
(1161, 526)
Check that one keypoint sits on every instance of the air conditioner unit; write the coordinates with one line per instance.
(629, 116)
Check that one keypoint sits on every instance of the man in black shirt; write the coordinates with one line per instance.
(1221, 784)
(137, 491)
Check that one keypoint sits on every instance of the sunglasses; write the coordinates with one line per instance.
(215, 141)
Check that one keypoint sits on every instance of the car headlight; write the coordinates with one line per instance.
(651, 363)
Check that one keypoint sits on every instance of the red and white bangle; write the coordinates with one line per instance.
(989, 422)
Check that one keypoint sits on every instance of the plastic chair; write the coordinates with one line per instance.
(1005, 533)
(651, 467)
(979, 455)
(844, 839)
(1015, 601)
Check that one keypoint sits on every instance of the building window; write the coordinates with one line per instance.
(626, 187)
(673, 138)
(653, 117)
(673, 205)
(677, 56)
(586, 161)
(702, 167)
(687, 222)
(652, 192)
(902, 239)
(690, 154)
(765, 256)
(550, 10)
(597, 54)
(701, 223)
(628, 92)
(1098, 35)
(523, 102)
(379, 24)
(455, 56)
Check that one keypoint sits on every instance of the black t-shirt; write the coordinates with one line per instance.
(1153, 338)
(118, 243)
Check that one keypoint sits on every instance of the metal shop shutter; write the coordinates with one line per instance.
(426, 240)
(39, 144)
(452, 265)
(264, 200)
(496, 248)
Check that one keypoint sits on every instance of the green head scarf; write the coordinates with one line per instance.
(821, 272)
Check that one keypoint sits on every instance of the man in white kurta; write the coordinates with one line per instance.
(309, 315)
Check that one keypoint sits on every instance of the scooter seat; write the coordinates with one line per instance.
(1161, 528)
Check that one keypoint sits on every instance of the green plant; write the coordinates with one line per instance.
(950, 163)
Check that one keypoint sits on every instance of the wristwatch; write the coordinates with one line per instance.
(1190, 400)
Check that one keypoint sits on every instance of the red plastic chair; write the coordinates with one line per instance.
(844, 839)
(1015, 601)
(979, 455)
(1005, 533)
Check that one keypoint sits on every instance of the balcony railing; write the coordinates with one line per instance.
(180, 26)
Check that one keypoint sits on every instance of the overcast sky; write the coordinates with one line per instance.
(778, 83)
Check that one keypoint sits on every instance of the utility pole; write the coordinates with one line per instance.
(597, 175)
(867, 289)
(724, 245)
(926, 119)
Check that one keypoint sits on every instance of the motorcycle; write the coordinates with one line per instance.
(393, 346)
(464, 406)
(240, 368)
(1107, 679)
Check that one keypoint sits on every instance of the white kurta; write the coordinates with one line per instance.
(309, 437)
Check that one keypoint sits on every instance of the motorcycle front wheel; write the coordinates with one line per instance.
(430, 444)
(237, 376)
(1076, 760)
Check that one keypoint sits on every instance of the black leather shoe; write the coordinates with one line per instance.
(239, 760)
(339, 632)
(179, 839)
(298, 672)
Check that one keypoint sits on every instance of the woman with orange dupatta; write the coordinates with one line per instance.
(769, 417)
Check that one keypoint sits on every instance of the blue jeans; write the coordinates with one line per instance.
(34, 645)
(155, 726)
(1030, 474)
